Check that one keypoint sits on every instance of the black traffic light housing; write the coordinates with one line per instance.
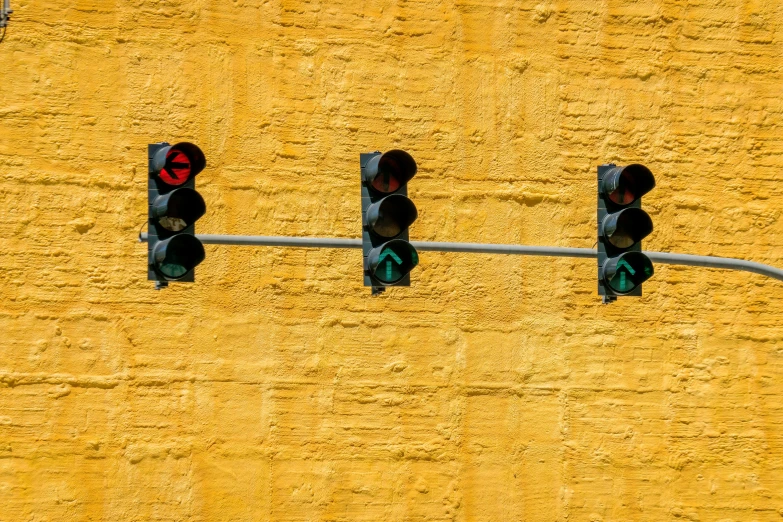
(174, 207)
(622, 224)
(386, 215)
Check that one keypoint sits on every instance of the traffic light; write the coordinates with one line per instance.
(622, 224)
(174, 206)
(386, 215)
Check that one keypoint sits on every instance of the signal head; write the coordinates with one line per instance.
(174, 206)
(386, 173)
(624, 185)
(177, 164)
(622, 225)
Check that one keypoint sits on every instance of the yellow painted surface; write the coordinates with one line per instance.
(494, 388)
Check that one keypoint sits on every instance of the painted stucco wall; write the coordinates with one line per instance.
(494, 388)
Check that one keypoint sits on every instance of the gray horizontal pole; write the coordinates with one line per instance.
(303, 242)
(523, 250)
(480, 248)
(728, 263)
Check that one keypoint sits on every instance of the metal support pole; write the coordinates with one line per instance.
(5, 13)
(727, 263)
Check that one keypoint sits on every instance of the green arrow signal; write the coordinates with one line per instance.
(386, 254)
(628, 267)
(624, 270)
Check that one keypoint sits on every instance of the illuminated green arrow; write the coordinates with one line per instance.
(628, 267)
(624, 263)
(389, 253)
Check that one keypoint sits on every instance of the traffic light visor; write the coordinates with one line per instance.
(178, 209)
(627, 271)
(176, 164)
(624, 185)
(625, 228)
(392, 261)
(390, 216)
(178, 255)
(391, 170)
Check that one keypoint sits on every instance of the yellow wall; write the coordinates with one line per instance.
(492, 389)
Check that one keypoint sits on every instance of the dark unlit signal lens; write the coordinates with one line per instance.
(623, 229)
(624, 185)
(178, 209)
(391, 215)
(177, 256)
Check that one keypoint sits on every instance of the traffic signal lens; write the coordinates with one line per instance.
(179, 209)
(177, 168)
(624, 185)
(623, 229)
(626, 272)
(178, 255)
(391, 170)
(391, 215)
(386, 181)
(179, 163)
(390, 262)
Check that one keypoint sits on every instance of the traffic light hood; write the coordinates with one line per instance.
(624, 185)
(630, 225)
(389, 217)
(178, 163)
(386, 173)
(392, 261)
(627, 271)
(178, 255)
(178, 209)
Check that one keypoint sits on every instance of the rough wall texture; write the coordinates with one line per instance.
(493, 389)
